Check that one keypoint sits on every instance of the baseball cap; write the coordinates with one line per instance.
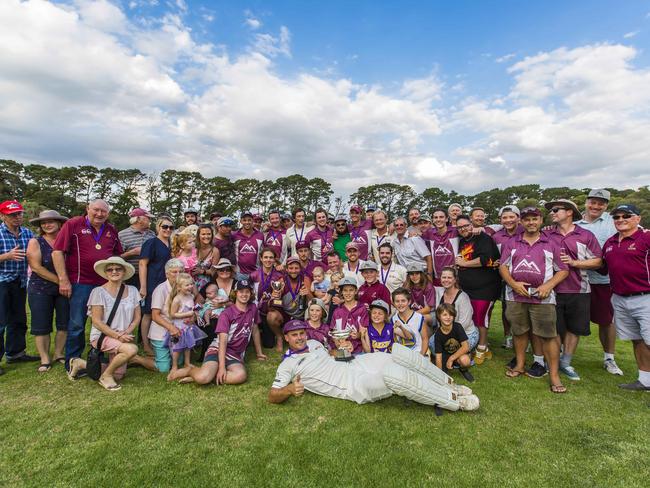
(371, 208)
(286, 216)
(215, 215)
(246, 213)
(302, 245)
(599, 193)
(291, 260)
(320, 303)
(415, 268)
(356, 208)
(340, 217)
(348, 280)
(424, 218)
(626, 208)
(531, 211)
(369, 266)
(190, 210)
(509, 208)
(257, 217)
(140, 212)
(379, 303)
(244, 283)
(9, 207)
(294, 324)
(225, 221)
(352, 245)
(566, 204)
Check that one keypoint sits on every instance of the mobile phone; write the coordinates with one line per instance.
(532, 291)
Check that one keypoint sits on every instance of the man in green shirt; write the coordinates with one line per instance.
(341, 235)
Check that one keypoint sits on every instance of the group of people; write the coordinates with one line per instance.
(409, 300)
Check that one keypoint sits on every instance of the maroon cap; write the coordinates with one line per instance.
(291, 260)
(258, 217)
(9, 207)
(352, 245)
(302, 245)
(531, 211)
(356, 208)
(140, 212)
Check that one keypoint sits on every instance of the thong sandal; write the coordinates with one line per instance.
(60, 360)
(113, 387)
(44, 367)
(513, 373)
(558, 388)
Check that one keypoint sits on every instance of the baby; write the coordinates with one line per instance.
(319, 285)
(333, 292)
(215, 300)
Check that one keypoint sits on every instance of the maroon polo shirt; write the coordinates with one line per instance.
(376, 291)
(78, 240)
(628, 261)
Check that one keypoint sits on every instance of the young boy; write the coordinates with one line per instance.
(378, 336)
(409, 327)
(451, 344)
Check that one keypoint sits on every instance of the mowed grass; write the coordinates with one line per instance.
(151, 433)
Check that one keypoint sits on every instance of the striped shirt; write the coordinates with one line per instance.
(131, 238)
(10, 269)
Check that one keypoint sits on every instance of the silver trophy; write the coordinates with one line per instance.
(340, 333)
(277, 285)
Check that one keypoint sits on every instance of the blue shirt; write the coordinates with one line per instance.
(603, 228)
(10, 269)
(158, 254)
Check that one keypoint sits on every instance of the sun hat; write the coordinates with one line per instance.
(566, 204)
(101, 265)
(223, 264)
(48, 215)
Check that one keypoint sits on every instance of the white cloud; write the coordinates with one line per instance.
(251, 21)
(506, 57)
(422, 90)
(273, 46)
(630, 35)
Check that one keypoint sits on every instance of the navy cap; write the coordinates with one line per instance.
(243, 283)
(294, 325)
(626, 208)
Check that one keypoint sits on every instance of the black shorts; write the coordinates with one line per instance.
(43, 309)
(573, 312)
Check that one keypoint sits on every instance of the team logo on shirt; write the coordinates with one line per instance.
(247, 249)
(530, 266)
(274, 241)
(441, 251)
(632, 247)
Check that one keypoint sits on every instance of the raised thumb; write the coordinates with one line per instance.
(297, 379)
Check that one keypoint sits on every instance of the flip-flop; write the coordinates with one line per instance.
(60, 360)
(513, 373)
(558, 388)
(113, 387)
(46, 366)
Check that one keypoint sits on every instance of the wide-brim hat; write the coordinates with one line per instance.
(101, 265)
(320, 303)
(566, 204)
(48, 215)
(223, 264)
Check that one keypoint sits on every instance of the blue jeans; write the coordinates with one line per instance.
(76, 340)
(13, 318)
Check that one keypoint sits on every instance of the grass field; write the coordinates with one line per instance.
(59, 433)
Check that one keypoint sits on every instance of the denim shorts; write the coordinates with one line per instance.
(43, 308)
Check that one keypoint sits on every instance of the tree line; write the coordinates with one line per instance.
(69, 188)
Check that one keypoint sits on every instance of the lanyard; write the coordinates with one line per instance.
(99, 234)
(291, 352)
(385, 277)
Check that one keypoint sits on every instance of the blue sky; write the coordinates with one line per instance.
(461, 95)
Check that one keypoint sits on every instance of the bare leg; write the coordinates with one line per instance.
(145, 362)
(642, 354)
(235, 374)
(607, 336)
(173, 372)
(43, 347)
(274, 321)
(538, 346)
(59, 343)
(552, 355)
(570, 343)
(203, 375)
(145, 323)
(124, 353)
(520, 342)
(483, 336)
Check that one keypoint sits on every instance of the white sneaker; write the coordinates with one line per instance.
(612, 368)
(468, 403)
(462, 390)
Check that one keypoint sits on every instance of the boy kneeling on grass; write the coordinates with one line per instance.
(451, 344)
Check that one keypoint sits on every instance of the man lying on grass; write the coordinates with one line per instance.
(370, 377)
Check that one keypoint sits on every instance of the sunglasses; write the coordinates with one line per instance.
(117, 269)
(167, 227)
(464, 226)
(557, 209)
(622, 216)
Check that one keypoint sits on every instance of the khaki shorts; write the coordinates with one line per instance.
(540, 317)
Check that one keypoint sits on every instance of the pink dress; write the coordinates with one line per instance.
(189, 261)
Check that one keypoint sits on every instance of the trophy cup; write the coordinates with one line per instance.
(277, 286)
(339, 333)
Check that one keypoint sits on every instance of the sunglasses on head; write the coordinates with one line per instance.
(167, 227)
(622, 216)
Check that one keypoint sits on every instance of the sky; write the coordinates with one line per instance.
(461, 95)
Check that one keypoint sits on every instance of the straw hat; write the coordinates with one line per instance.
(100, 267)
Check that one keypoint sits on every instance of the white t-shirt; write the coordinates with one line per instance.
(156, 331)
(124, 313)
(354, 272)
(319, 372)
(414, 325)
(394, 277)
(294, 235)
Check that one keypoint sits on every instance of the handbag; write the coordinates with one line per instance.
(95, 354)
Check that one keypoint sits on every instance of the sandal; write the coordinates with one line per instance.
(109, 387)
(44, 367)
(558, 388)
(60, 360)
(513, 373)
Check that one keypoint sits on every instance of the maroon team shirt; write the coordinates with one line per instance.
(444, 248)
(263, 282)
(320, 334)
(376, 291)
(274, 239)
(226, 249)
(247, 250)
(239, 326)
(423, 297)
(579, 244)
(321, 242)
(628, 261)
(355, 318)
(77, 240)
(501, 236)
(534, 264)
(308, 269)
(361, 235)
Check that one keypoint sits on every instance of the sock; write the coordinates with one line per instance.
(644, 378)
(481, 348)
(538, 359)
(565, 360)
(608, 356)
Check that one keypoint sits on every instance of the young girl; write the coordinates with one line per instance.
(451, 345)
(423, 293)
(319, 285)
(408, 325)
(315, 316)
(184, 249)
(378, 337)
(333, 297)
(181, 311)
(350, 313)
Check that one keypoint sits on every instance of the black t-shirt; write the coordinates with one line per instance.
(482, 283)
(448, 344)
